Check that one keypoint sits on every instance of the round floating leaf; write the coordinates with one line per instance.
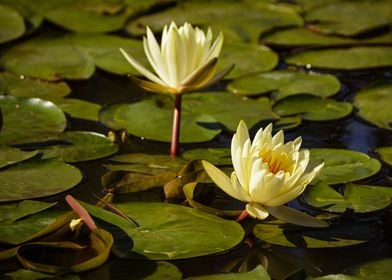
(77, 108)
(229, 109)
(22, 230)
(24, 119)
(21, 86)
(149, 162)
(157, 123)
(285, 83)
(376, 270)
(168, 231)
(344, 59)
(104, 51)
(234, 18)
(301, 37)
(31, 180)
(11, 24)
(373, 105)
(15, 211)
(359, 198)
(337, 235)
(247, 59)
(350, 18)
(385, 154)
(80, 146)
(335, 277)
(313, 108)
(217, 156)
(257, 273)
(343, 166)
(9, 156)
(50, 57)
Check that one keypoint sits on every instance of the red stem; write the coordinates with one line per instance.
(176, 126)
(244, 214)
(83, 214)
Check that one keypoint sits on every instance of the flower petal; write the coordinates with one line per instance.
(296, 217)
(256, 211)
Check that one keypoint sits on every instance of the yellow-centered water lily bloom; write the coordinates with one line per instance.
(186, 60)
(267, 174)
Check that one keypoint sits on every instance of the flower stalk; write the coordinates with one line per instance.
(176, 126)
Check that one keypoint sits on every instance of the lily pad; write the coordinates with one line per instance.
(50, 57)
(15, 211)
(257, 273)
(313, 108)
(247, 58)
(343, 166)
(80, 146)
(247, 22)
(24, 119)
(157, 124)
(20, 86)
(337, 235)
(349, 18)
(354, 58)
(372, 104)
(168, 231)
(104, 51)
(11, 24)
(335, 277)
(217, 156)
(376, 270)
(361, 199)
(9, 156)
(30, 180)
(385, 154)
(22, 230)
(303, 37)
(285, 83)
(78, 108)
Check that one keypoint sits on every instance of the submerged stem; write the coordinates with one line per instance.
(176, 126)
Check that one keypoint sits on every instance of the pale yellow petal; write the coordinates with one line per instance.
(296, 217)
(257, 211)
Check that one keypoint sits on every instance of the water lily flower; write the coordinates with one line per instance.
(186, 60)
(267, 174)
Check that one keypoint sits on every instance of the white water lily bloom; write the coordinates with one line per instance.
(267, 174)
(186, 60)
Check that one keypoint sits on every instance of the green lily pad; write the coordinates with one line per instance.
(303, 37)
(11, 24)
(245, 21)
(337, 235)
(354, 58)
(104, 51)
(30, 180)
(285, 83)
(34, 275)
(217, 156)
(229, 109)
(168, 231)
(134, 119)
(361, 199)
(313, 108)
(349, 18)
(385, 154)
(258, 272)
(335, 277)
(80, 146)
(15, 211)
(78, 108)
(9, 156)
(24, 119)
(49, 57)
(343, 166)
(21, 86)
(376, 270)
(372, 104)
(19, 231)
(150, 161)
(247, 58)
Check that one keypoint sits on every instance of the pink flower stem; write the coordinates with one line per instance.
(244, 214)
(176, 126)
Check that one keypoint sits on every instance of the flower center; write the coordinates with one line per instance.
(277, 162)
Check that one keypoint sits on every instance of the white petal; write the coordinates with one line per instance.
(296, 217)
(256, 211)
(142, 70)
